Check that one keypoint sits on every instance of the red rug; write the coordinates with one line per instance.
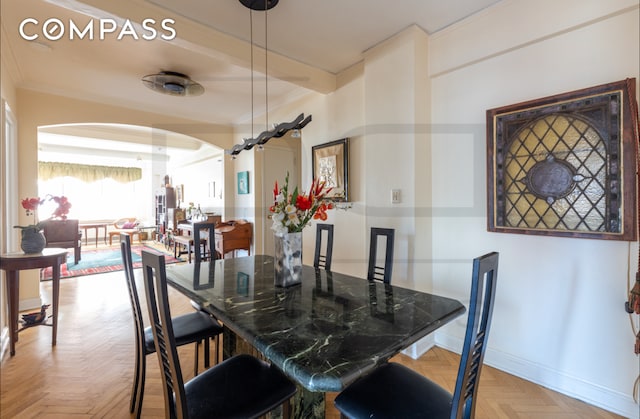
(101, 261)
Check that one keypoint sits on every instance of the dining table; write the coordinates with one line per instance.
(323, 333)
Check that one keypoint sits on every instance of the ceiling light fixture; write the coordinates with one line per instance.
(173, 83)
(279, 129)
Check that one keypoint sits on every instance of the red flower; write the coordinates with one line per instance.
(31, 204)
(63, 207)
(303, 203)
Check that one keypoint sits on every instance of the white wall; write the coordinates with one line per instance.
(197, 179)
(559, 318)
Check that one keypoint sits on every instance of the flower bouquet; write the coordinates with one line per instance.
(291, 213)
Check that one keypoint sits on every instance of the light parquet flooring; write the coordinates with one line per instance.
(88, 373)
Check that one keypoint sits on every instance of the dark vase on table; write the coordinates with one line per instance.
(33, 240)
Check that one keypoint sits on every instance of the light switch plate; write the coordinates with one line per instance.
(395, 196)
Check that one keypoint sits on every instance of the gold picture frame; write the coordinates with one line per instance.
(565, 165)
(330, 163)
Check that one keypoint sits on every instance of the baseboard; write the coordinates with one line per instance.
(29, 304)
(593, 394)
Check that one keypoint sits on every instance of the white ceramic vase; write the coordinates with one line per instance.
(288, 259)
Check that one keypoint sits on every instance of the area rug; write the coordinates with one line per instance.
(101, 261)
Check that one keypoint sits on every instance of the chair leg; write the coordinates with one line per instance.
(195, 363)
(207, 352)
(137, 390)
(217, 346)
(286, 409)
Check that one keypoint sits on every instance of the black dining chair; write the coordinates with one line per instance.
(196, 327)
(375, 271)
(239, 387)
(322, 259)
(200, 245)
(394, 390)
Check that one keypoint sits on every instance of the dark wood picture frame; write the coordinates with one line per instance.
(565, 165)
(330, 162)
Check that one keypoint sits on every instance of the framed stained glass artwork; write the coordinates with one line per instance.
(565, 165)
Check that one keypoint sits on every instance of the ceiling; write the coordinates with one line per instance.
(308, 44)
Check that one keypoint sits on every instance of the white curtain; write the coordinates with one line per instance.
(88, 173)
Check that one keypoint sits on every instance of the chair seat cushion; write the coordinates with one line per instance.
(187, 328)
(240, 387)
(394, 391)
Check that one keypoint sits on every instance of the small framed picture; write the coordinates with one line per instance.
(330, 163)
(243, 183)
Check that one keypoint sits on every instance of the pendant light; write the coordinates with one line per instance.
(279, 129)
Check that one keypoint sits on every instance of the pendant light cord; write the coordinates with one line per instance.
(251, 37)
(266, 67)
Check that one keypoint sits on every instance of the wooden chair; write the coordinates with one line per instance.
(122, 226)
(64, 234)
(323, 259)
(189, 328)
(374, 271)
(204, 245)
(394, 390)
(241, 386)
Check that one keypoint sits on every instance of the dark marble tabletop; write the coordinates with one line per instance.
(325, 332)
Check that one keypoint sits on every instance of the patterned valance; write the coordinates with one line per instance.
(88, 173)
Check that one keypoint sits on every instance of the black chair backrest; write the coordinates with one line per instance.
(127, 263)
(155, 286)
(320, 259)
(197, 229)
(483, 293)
(381, 273)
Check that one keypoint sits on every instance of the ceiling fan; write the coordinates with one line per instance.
(173, 83)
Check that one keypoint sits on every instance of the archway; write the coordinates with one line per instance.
(157, 153)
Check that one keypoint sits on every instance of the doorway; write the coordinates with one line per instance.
(278, 160)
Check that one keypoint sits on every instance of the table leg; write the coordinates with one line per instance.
(304, 405)
(12, 300)
(56, 296)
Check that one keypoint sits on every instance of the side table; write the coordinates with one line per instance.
(96, 227)
(12, 264)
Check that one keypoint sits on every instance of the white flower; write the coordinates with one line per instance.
(279, 229)
(292, 218)
(290, 209)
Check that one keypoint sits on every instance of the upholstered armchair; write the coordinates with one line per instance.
(65, 234)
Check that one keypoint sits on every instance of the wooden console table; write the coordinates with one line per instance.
(12, 264)
(233, 235)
